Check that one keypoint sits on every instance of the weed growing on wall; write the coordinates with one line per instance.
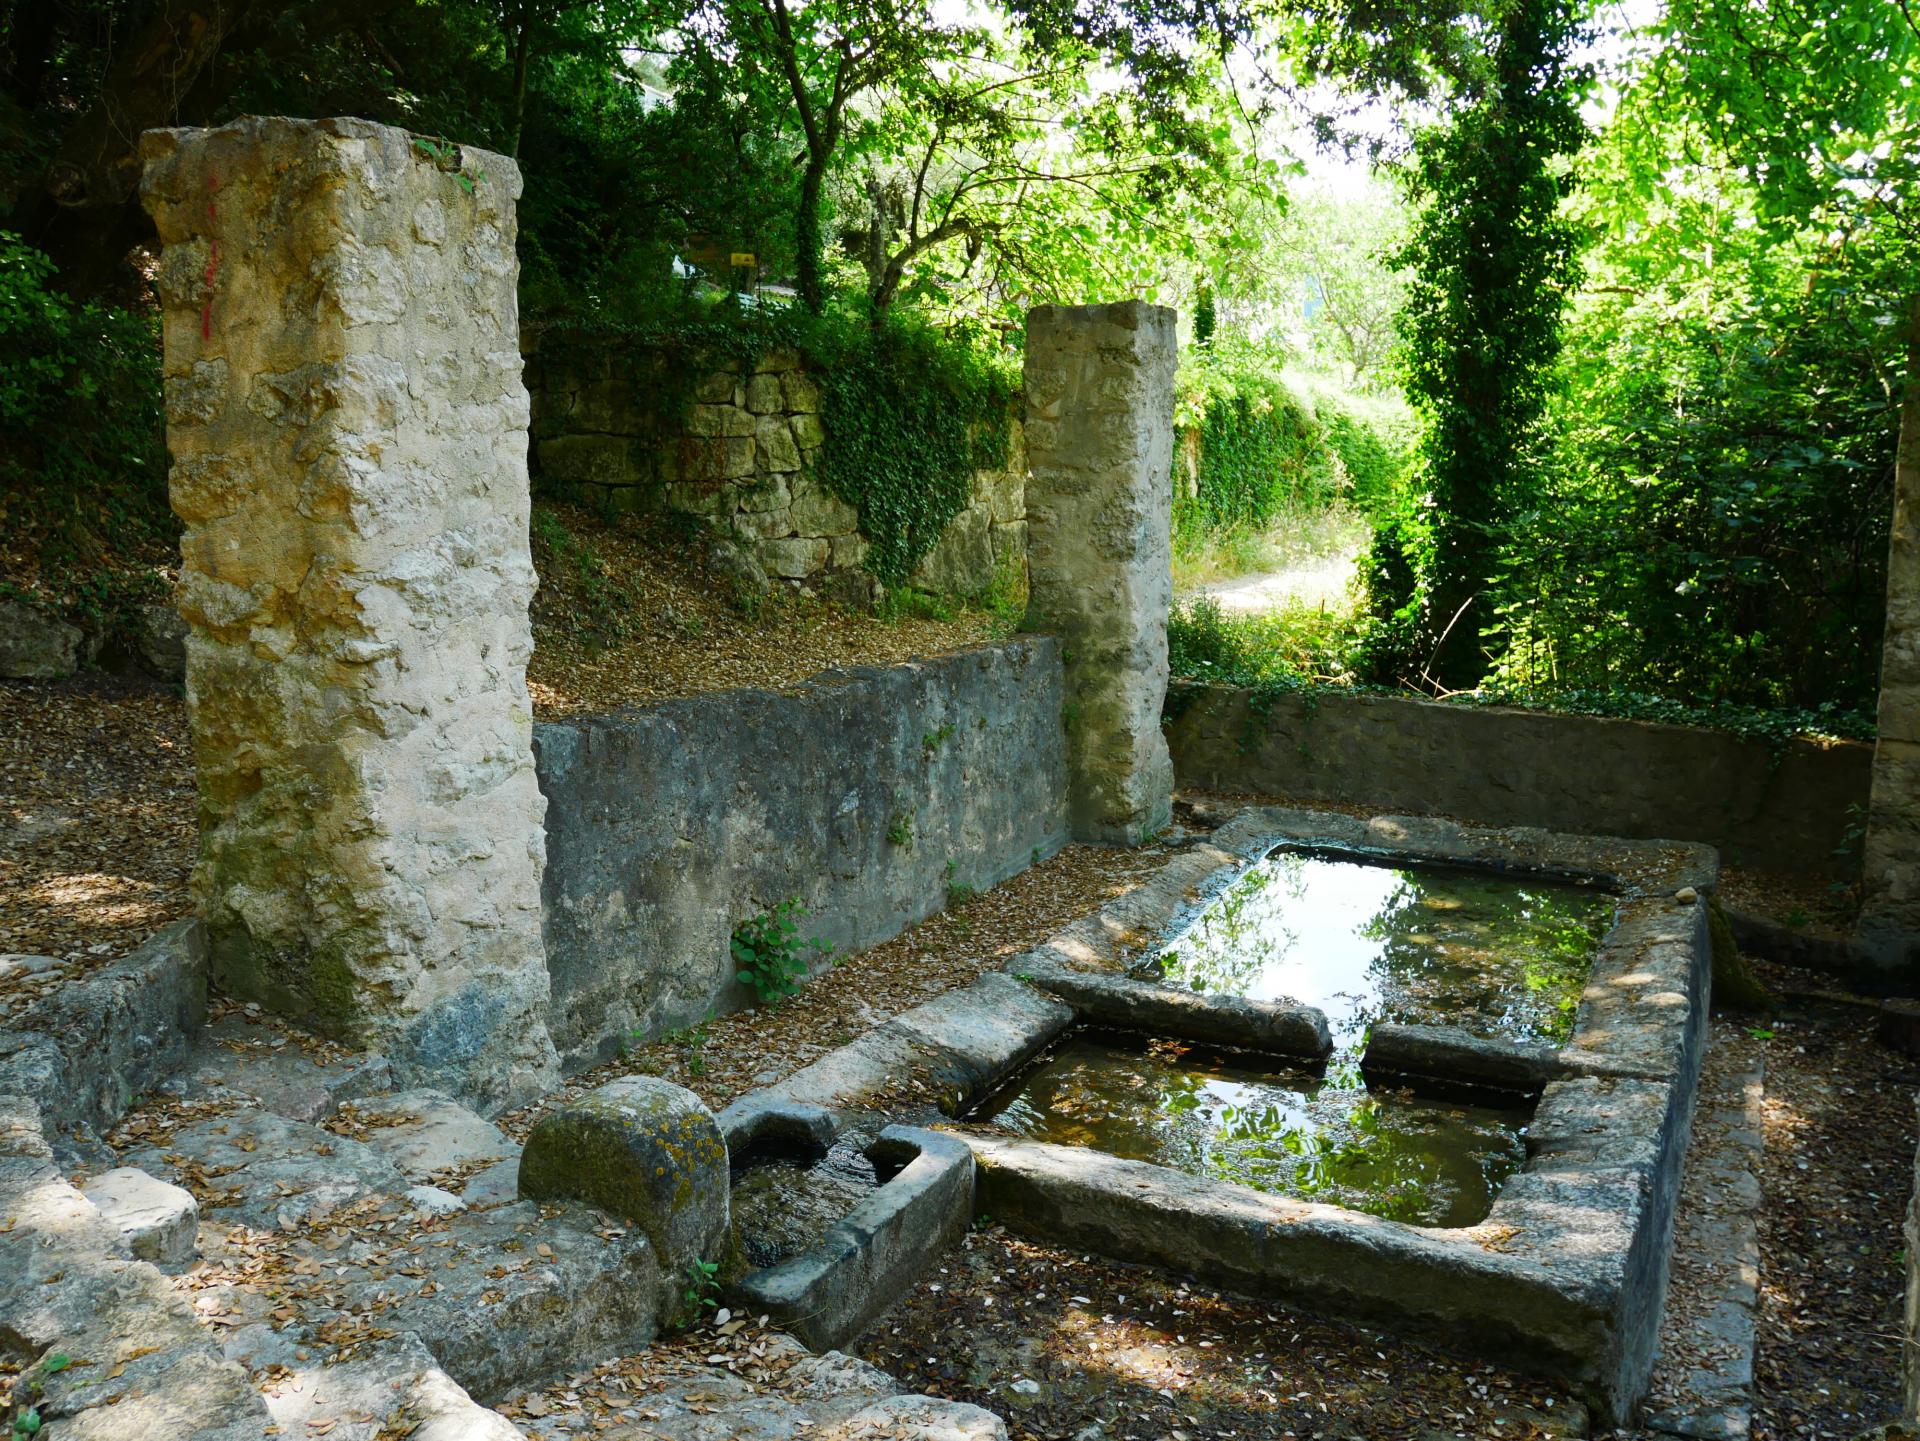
(772, 956)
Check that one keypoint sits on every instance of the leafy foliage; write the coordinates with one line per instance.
(82, 462)
(1711, 521)
(910, 414)
(1493, 261)
(772, 957)
(1262, 447)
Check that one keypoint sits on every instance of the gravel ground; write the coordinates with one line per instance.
(627, 614)
(97, 826)
(1065, 1345)
(1838, 1172)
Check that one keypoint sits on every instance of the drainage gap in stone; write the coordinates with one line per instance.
(1368, 940)
(785, 1197)
(1265, 1123)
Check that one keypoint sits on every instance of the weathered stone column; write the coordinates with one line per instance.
(349, 437)
(1100, 548)
(1890, 882)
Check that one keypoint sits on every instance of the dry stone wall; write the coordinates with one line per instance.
(348, 428)
(867, 794)
(739, 454)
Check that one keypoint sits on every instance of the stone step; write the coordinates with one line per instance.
(788, 1392)
(502, 1293)
(395, 1389)
(112, 1349)
(156, 1221)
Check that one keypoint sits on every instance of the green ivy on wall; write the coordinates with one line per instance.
(910, 414)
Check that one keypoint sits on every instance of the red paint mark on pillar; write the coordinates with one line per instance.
(213, 265)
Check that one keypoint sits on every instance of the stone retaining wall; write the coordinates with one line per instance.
(1796, 808)
(608, 432)
(866, 793)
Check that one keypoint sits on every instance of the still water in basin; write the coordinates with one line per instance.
(1498, 954)
(1289, 1131)
(782, 1207)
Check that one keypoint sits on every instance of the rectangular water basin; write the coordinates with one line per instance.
(1369, 940)
(1279, 1127)
(832, 1225)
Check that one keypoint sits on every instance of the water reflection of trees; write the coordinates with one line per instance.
(1389, 1156)
(1441, 946)
(1238, 937)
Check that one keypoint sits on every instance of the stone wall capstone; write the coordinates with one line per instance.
(348, 429)
(739, 455)
(1099, 382)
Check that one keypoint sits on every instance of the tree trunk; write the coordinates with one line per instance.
(808, 261)
(522, 46)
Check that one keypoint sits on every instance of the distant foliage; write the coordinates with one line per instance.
(1266, 448)
(1711, 521)
(82, 442)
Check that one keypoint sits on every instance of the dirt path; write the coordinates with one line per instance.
(1322, 581)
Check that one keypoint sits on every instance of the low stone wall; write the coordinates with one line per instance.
(740, 455)
(866, 794)
(1796, 808)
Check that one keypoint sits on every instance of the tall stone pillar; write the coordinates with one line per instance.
(349, 437)
(1890, 882)
(1100, 548)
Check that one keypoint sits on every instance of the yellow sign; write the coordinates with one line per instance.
(743, 259)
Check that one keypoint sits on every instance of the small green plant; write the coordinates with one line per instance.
(1760, 1033)
(1797, 917)
(26, 1395)
(771, 954)
(958, 892)
(692, 1041)
(446, 155)
(1005, 598)
(702, 1293)
(935, 738)
(900, 830)
(906, 603)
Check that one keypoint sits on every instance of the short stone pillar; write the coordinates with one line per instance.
(349, 438)
(1890, 881)
(1099, 382)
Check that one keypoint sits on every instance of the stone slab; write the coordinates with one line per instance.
(157, 1221)
(1703, 1375)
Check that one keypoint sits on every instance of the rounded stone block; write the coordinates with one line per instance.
(644, 1150)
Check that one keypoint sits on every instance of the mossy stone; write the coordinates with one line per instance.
(641, 1149)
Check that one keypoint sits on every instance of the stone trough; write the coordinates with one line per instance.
(921, 1202)
(1567, 1273)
